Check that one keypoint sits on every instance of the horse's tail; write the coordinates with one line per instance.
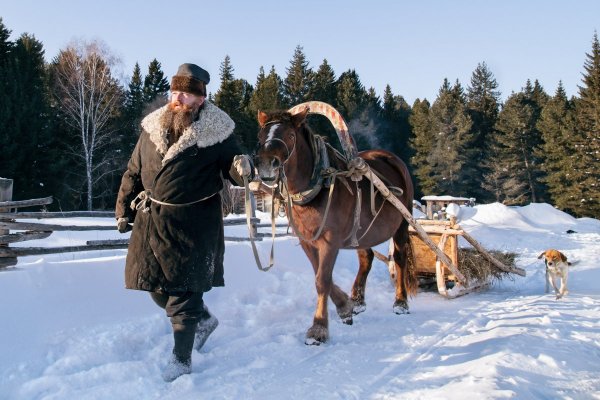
(411, 279)
(406, 259)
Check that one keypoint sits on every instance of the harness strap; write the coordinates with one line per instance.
(291, 218)
(251, 231)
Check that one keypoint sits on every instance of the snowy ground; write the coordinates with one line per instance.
(70, 331)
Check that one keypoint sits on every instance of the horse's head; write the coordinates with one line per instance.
(277, 140)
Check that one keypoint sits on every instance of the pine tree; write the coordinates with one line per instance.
(226, 97)
(33, 155)
(298, 81)
(351, 95)
(323, 88)
(421, 142)
(483, 104)
(394, 129)
(234, 97)
(133, 110)
(7, 92)
(513, 172)
(587, 169)
(452, 148)
(268, 92)
(558, 129)
(156, 86)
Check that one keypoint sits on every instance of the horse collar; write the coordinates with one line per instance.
(321, 163)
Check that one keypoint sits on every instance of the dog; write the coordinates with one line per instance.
(557, 267)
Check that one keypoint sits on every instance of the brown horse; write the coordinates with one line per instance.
(286, 153)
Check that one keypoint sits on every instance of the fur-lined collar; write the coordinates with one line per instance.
(212, 127)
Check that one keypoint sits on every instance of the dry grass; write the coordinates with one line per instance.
(476, 267)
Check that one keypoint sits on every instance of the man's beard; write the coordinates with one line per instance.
(176, 121)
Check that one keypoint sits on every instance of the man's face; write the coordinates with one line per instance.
(183, 100)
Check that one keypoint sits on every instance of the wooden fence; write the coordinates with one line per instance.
(33, 231)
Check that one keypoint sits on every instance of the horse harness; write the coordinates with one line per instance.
(324, 175)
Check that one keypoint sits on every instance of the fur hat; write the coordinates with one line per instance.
(190, 78)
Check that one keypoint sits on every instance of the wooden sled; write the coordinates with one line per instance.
(445, 234)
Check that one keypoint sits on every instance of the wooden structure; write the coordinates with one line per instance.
(435, 205)
(445, 235)
(26, 231)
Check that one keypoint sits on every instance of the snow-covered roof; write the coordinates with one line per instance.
(445, 198)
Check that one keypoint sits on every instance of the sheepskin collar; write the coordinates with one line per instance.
(212, 127)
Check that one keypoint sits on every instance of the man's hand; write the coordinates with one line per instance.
(123, 225)
(242, 165)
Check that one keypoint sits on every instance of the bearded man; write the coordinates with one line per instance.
(171, 191)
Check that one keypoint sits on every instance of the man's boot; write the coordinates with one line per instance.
(181, 359)
(205, 327)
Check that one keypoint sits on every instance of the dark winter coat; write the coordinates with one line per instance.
(178, 248)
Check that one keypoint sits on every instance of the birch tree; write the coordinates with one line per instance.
(89, 98)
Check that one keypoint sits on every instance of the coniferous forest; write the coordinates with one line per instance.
(67, 127)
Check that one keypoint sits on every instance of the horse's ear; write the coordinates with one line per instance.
(299, 118)
(262, 118)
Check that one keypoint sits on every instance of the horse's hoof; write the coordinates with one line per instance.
(401, 307)
(316, 335)
(359, 307)
(346, 312)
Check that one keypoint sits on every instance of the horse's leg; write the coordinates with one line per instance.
(365, 261)
(400, 255)
(344, 306)
(322, 260)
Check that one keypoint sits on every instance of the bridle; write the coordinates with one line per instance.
(276, 139)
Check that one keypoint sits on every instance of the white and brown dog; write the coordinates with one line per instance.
(557, 267)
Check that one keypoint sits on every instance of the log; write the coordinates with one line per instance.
(26, 203)
(32, 226)
(437, 229)
(439, 269)
(58, 214)
(6, 190)
(34, 251)
(23, 236)
(506, 268)
(380, 256)
(409, 218)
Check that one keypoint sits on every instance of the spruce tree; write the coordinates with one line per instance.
(587, 170)
(33, 151)
(7, 92)
(133, 110)
(298, 81)
(558, 129)
(515, 167)
(156, 86)
(268, 92)
(394, 129)
(351, 95)
(453, 145)
(483, 104)
(323, 88)
(234, 97)
(421, 142)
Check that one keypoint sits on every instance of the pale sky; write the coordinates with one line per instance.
(410, 45)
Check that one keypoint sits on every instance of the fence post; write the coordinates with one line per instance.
(6, 190)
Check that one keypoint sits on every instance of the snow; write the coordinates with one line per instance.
(71, 331)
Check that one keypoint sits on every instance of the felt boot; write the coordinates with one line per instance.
(181, 359)
(205, 327)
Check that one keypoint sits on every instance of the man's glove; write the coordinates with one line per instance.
(123, 225)
(242, 165)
